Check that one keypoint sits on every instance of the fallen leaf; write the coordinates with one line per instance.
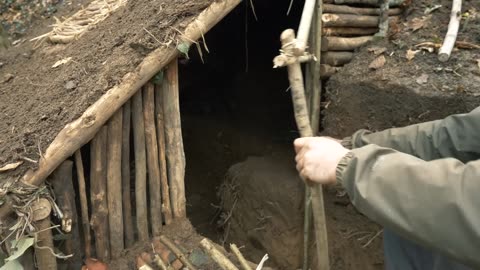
(411, 54)
(378, 62)
(418, 23)
(11, 166)
(423, 79)
(61, 62)
(377, 50)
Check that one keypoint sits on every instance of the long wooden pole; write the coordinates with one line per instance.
(329, 8)
(304, 27)
(126, 183)
(140, 166)
(451, 36)
(152, 159)
(114, 183)
(98, 194)
(174, 140)
(160, 119)
(303, 123)
(83, 202)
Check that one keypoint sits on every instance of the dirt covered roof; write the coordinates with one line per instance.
(37, 100)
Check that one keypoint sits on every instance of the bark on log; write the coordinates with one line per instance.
(336, 58)
(43, 252)
(344, 44)
(62, 183)
(392, 3)
(80, 131)
(98, 193)
(451, 36)
(350, 20)
(152, 159)
(114, 183)
(349, 31)
(166, 207)
(83, 203)
(342, 9)
(140, 166)
(126, 183)
(327, 71)
(174, 140)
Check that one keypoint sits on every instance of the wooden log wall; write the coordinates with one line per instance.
(348, 25)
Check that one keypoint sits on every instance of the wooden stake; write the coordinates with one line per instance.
(114, 183)
(217, 256)
(336, 58)
(62, 184)
(152, 159)
(140, 166)
(339, 9)
(174, 142)
(177, 252)
(83, 202)
(126, 183)
(304, 27)
(98, 193)
(303, 123)
(344, 44)
(44, 245)
(451, 36)
(166, 207)
(349, 31)
(80, 131)
(350, 20)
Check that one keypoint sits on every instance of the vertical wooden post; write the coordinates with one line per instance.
(98, 194)
(152, 159)
(174, 142)
(62, 184)
(167, 209)
(83, 202)
(140, 166)
(126, 184)
(114, 183)
(45, 259)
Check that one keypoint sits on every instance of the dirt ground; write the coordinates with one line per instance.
(36, 100)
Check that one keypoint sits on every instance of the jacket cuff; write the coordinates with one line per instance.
(347, 143)
(342, 167)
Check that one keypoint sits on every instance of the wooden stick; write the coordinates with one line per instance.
(284, 60)
(240, 258)
(98, 194)
(340, 9)
(177, 252)
(83, 202)
(336, 58)
(344, 44)
(126, 183)
(349, 31)
(140, 167)
(304, 27)
(152, 159)
(114, 183)
(217, 256)
(173, 138)
(350, 20)
(327, 70)
(392, 3)
(451, 36)
(383, 19)
(166, 207)
(62, 183)
(81, 130)
(44, 239)
(303, 123)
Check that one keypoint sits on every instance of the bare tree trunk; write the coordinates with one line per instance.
(152, 159)
(98, 193)
(140, 166)
(174, 140)
(114, 183)
(126, 183)
(167, 209)
(83, 202)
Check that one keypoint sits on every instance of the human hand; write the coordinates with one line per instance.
(317, 158)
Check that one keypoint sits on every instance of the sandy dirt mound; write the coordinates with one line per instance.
(263, 202)
(36, 100)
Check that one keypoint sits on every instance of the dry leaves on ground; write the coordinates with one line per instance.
(411, 54)
(418, 23)
(423, 79)
(377, 50)
(378, 62)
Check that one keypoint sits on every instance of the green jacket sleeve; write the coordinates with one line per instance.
(456, 136)
(434, 203)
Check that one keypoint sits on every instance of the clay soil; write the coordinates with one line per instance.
(37, 101)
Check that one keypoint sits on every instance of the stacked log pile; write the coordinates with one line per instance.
(348, 25)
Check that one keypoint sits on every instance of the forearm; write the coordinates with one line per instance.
(432, 203)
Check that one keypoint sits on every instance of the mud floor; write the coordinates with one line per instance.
(36, 100)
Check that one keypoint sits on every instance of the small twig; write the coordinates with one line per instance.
(240, 257)
(253, 10)
(262, 262)
(373, 238)
(156, 39)
(28, 159)
(290, 7)
(217, 256)
(177, 252)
